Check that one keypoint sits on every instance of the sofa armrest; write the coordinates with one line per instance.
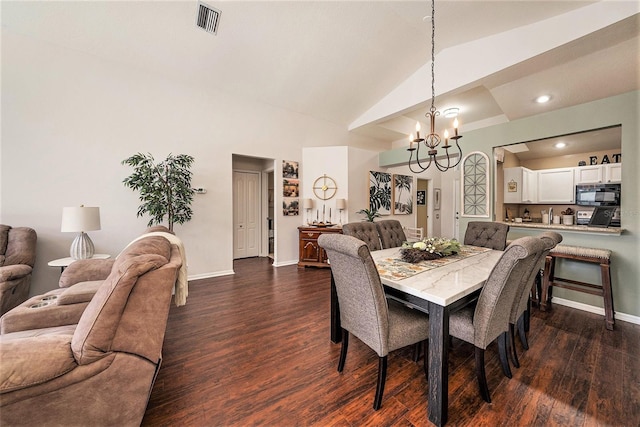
(30, 361)
(14, 272)
(84, 270)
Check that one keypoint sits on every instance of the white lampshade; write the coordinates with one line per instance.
(341, 204)
(307, 204)
(80, 218)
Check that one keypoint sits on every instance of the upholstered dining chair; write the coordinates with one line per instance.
(365, 231)
(487, 234)
(488, 319)
(521, 305)
(391, 233)
(382, 325)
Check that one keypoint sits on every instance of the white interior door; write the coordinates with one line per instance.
(246, 214)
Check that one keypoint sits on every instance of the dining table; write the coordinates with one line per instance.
(437, 287)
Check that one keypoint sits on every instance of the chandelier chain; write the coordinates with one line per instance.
(433, 55)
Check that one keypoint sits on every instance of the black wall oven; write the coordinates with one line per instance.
(598, 195)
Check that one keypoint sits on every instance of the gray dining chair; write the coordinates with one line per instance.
(391, 233)
(487, 234)
(488, 319)
(521, 306)
(365, 231)
(382, 325)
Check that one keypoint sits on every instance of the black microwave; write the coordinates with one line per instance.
(598, 195)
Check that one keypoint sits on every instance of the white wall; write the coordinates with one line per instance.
(69, 119)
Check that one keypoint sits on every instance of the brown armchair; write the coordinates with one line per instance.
(100, 371)
(17, 257)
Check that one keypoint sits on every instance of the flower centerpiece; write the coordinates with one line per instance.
(429, 248)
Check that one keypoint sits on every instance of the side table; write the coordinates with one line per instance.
(64, 262)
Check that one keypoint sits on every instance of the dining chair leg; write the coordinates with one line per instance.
(503, 347)
(482, 377)
(382, 376)
(343, 349)
(513, 353)
(522, 332)
(416, 352)
(425, 349)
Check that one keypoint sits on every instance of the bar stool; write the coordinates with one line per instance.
(582, 254)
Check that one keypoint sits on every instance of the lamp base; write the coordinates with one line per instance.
(82, 247)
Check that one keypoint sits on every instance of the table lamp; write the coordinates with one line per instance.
(341, 204)
(78, 220)
(307, 205)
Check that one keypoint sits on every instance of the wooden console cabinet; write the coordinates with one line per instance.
(310, 254)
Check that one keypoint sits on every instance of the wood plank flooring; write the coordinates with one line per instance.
(253, 349)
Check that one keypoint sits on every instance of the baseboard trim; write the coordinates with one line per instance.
(210, 275)
(284, 263)
(593, 309)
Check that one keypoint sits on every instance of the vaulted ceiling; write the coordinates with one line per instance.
(364, 64)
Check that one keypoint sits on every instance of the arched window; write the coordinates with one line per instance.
(475, 185)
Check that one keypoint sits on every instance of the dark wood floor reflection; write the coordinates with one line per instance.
(253, 349)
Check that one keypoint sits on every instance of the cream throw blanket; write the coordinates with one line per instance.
(182, 283)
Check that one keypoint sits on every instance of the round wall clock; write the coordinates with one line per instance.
(324, 187)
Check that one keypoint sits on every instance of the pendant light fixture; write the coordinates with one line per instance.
(432, 140)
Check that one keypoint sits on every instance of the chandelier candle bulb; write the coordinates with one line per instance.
(446, 137)
(455, 126)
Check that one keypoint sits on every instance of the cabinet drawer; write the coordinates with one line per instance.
(310, 235)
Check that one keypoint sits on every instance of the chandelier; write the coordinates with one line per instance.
(432, 140)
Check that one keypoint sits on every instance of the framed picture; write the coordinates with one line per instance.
(436, 199)
(512, 186)
(380, 192)
(402, 194)
(289, 169)
(421, 198)
(290, 187)
(290, 206)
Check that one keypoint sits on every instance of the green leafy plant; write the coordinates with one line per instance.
(165, 187)
(370, 215)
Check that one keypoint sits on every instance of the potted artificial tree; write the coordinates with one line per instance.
(165, 187)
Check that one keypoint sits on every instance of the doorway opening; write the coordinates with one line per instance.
(422, 205)
(254, 224)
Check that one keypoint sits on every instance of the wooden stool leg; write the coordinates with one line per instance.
(549, 265)
(608, 295)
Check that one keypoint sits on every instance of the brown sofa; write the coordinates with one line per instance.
(64, 306)
(17, 257)
(100, 371)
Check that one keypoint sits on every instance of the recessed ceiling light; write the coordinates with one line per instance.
(542, 99)
(451, 112)
(560, 145)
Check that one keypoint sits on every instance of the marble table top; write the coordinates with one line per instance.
(446, 284)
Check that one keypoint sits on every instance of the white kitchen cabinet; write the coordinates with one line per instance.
(556, 185)
(598, 174)
(520, 185)
(613, 172)
(593, 174)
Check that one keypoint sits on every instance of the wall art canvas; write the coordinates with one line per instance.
(289, 169)
(290, 206)
(380, 192)
(402, 194)
(290, 187)
(421, 198)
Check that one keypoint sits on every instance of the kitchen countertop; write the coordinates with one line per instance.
(613, 231)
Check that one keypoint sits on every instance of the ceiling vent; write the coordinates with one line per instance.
(208, 18)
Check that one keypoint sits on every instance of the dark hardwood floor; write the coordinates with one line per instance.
(253, 349)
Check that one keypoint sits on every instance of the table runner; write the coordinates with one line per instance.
(396, 269)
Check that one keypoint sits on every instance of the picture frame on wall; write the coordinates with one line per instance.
(290, 187)
(421, 198)
(380, 192)
(290, 206)
(436, 199)
(289, 169)
(402, 194)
